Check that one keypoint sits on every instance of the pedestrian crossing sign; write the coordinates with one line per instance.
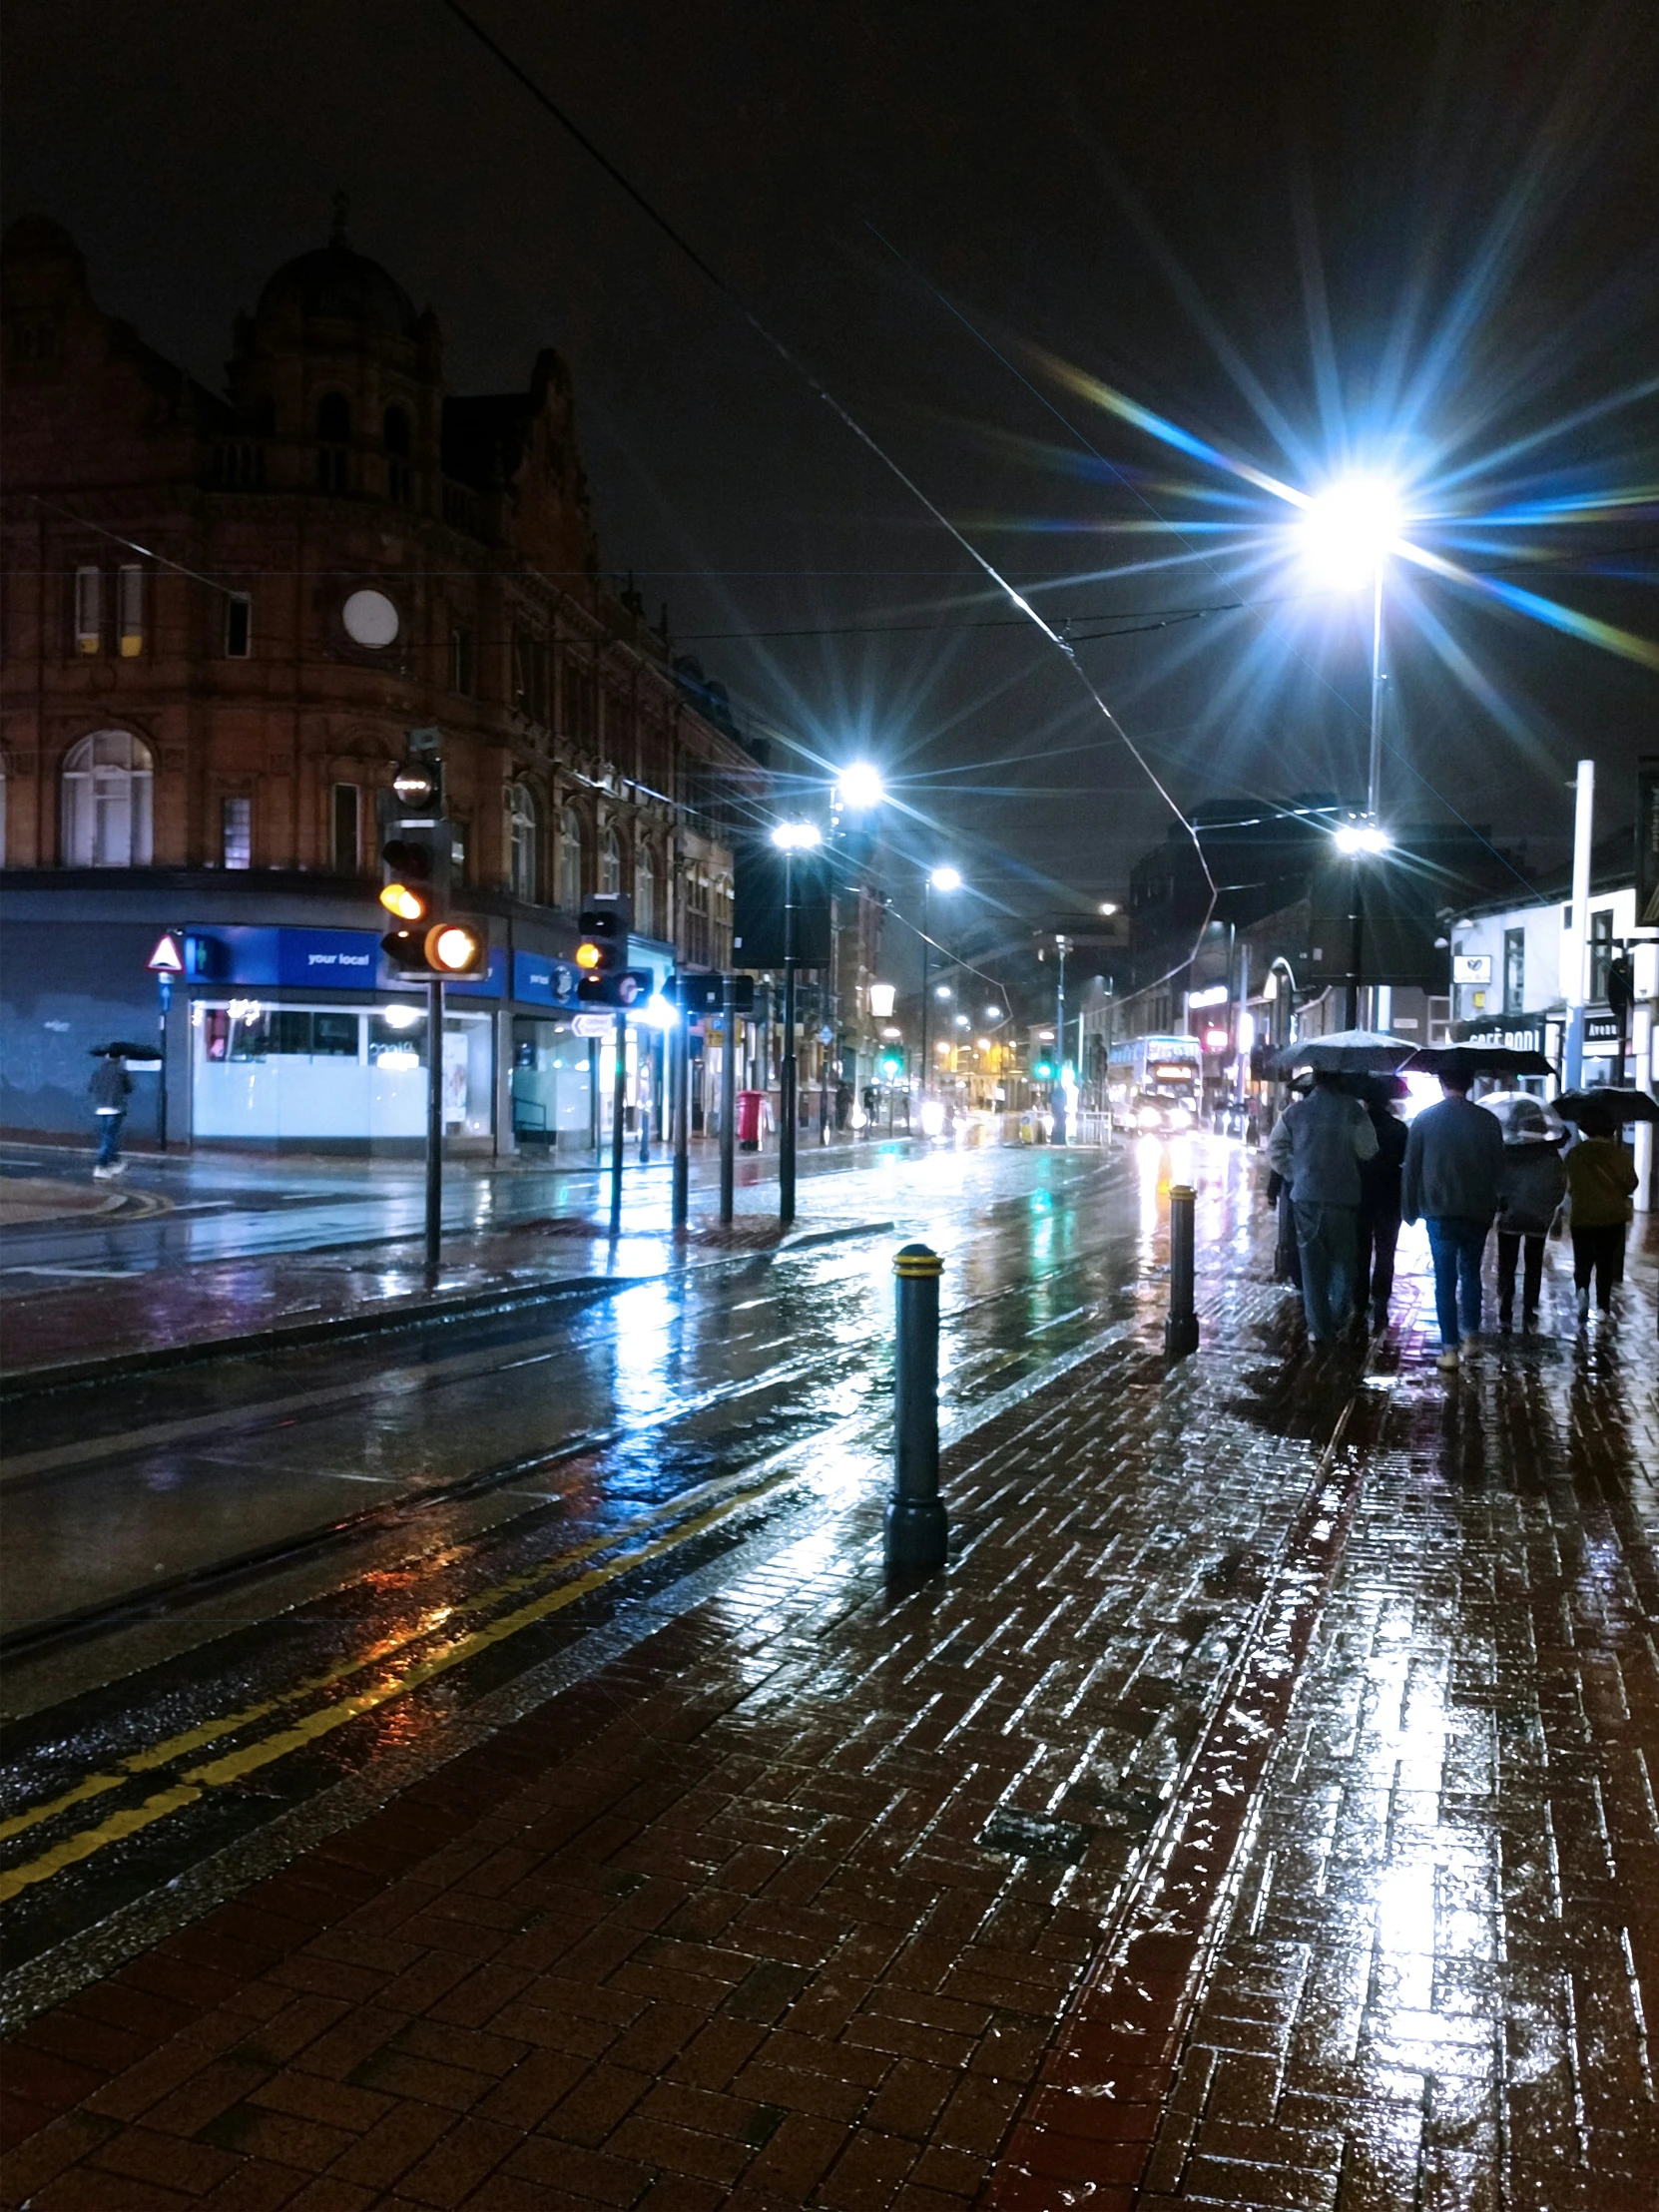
(166, 959)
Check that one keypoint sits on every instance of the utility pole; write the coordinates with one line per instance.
(619, 1106)
(785, 1065)
(728, 1091)
(434, 1124)
(1060, 1044)
(1575, 946)
(681, 1205)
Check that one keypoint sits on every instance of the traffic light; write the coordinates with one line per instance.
(702, 993)
(417, 866)
(891, 1068)
(604, 929)
(622, 988)
(1043, 1073)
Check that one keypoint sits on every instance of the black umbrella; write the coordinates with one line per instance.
(1343, 1052)
(123, 1051)
(1477, 1059)
(1602, 1102)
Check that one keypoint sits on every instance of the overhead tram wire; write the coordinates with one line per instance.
(821, 391)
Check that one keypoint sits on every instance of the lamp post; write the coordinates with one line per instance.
(936, 879)
(1061, 947)
(1348, 532)
(789, 837)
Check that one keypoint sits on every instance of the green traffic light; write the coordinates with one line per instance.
(1042, 1071)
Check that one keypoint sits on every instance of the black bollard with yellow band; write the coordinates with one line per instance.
(915, 1519)
(1181, 1329)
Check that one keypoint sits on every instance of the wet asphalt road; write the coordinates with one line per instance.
(532, 1483)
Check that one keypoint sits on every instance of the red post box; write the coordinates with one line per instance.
(752, 1106)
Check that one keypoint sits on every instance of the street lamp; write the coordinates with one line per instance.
(1348, 532)
(789, 837)
(936, 879)
(860, 787)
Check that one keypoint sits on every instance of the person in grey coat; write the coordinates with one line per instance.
(1453, 1170)
(1316, 1145)
(1531, 1191)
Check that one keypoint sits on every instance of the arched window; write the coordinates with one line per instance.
(521, 840)
(570, 860)
(107, 781)
(399, 477)
(645, 891)
(334, 433)
(610, 862)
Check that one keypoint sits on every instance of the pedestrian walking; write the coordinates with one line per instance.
(1378, 1222)
(1317, 1145)
(1601, 1176)
(1453, 1168)
(111, 1087)
(1530, 1192)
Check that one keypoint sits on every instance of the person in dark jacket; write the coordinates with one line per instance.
(1600, 1179)
(1531, 1189)
(1378, 1226)
(111, 1087)
(1453, 1159)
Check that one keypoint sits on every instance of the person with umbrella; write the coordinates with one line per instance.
(111, 1087)
(1601, 1177)
(1453, 1169)
(1379, 1219)
(1531, 1189)
(1316, 1146)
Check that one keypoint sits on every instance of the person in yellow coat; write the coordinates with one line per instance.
(1601, 1176)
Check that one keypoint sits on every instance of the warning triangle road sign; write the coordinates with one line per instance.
(166, 959)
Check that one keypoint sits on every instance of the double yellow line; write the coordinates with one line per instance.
(235, 1764)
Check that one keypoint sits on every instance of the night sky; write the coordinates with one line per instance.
(1174, 198)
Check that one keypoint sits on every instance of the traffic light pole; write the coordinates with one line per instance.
(619, 1106)
(786, 1064)
(434, 1123)
(728, 1092)
(681, 1119)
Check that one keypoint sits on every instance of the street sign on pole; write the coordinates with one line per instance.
(168, 957)
(592, 1025)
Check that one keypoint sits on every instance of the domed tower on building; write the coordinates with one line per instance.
(342, 377)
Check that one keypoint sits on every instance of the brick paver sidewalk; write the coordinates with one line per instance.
(1258, 1812)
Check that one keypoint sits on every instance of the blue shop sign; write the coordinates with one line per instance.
(337, 960)
(541, 980)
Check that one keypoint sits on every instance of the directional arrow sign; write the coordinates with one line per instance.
(166, 959)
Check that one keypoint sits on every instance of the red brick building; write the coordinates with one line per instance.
(223, 613)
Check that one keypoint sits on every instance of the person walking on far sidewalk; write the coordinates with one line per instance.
(1453, 1169)
(1378, 1219)
(1317, 1145)
(1530, 1198)
(1601, 1176)
(111, 1087)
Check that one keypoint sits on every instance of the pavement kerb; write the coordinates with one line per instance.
(20, 1382)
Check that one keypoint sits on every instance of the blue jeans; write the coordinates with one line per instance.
(1456, 1246)
(1326, 1240)
(109, 1139)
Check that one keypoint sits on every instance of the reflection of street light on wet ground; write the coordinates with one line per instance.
(789, 837)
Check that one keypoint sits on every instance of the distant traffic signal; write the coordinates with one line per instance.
(604, 926)
(1043, 1073)
(622, 988)
(443, 949)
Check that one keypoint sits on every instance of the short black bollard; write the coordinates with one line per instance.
(915, 1518)
(1181, 1329)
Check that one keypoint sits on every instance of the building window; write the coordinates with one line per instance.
(570, 860)
(645, 891)
(347, 830)
(235, 831)
(532, 672)
(130, 579)
(107, 781)
(699, 949)
(1601, 951)
(239, 626)
(610, 862)
(521, 842)
(460, 660)
(333, 435)
(1514, 971)
(722, 923)
(89, 610)
(399, 476)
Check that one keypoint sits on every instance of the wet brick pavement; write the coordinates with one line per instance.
(1259, 1813)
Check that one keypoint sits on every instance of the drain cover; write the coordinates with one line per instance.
(1036, 1836)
